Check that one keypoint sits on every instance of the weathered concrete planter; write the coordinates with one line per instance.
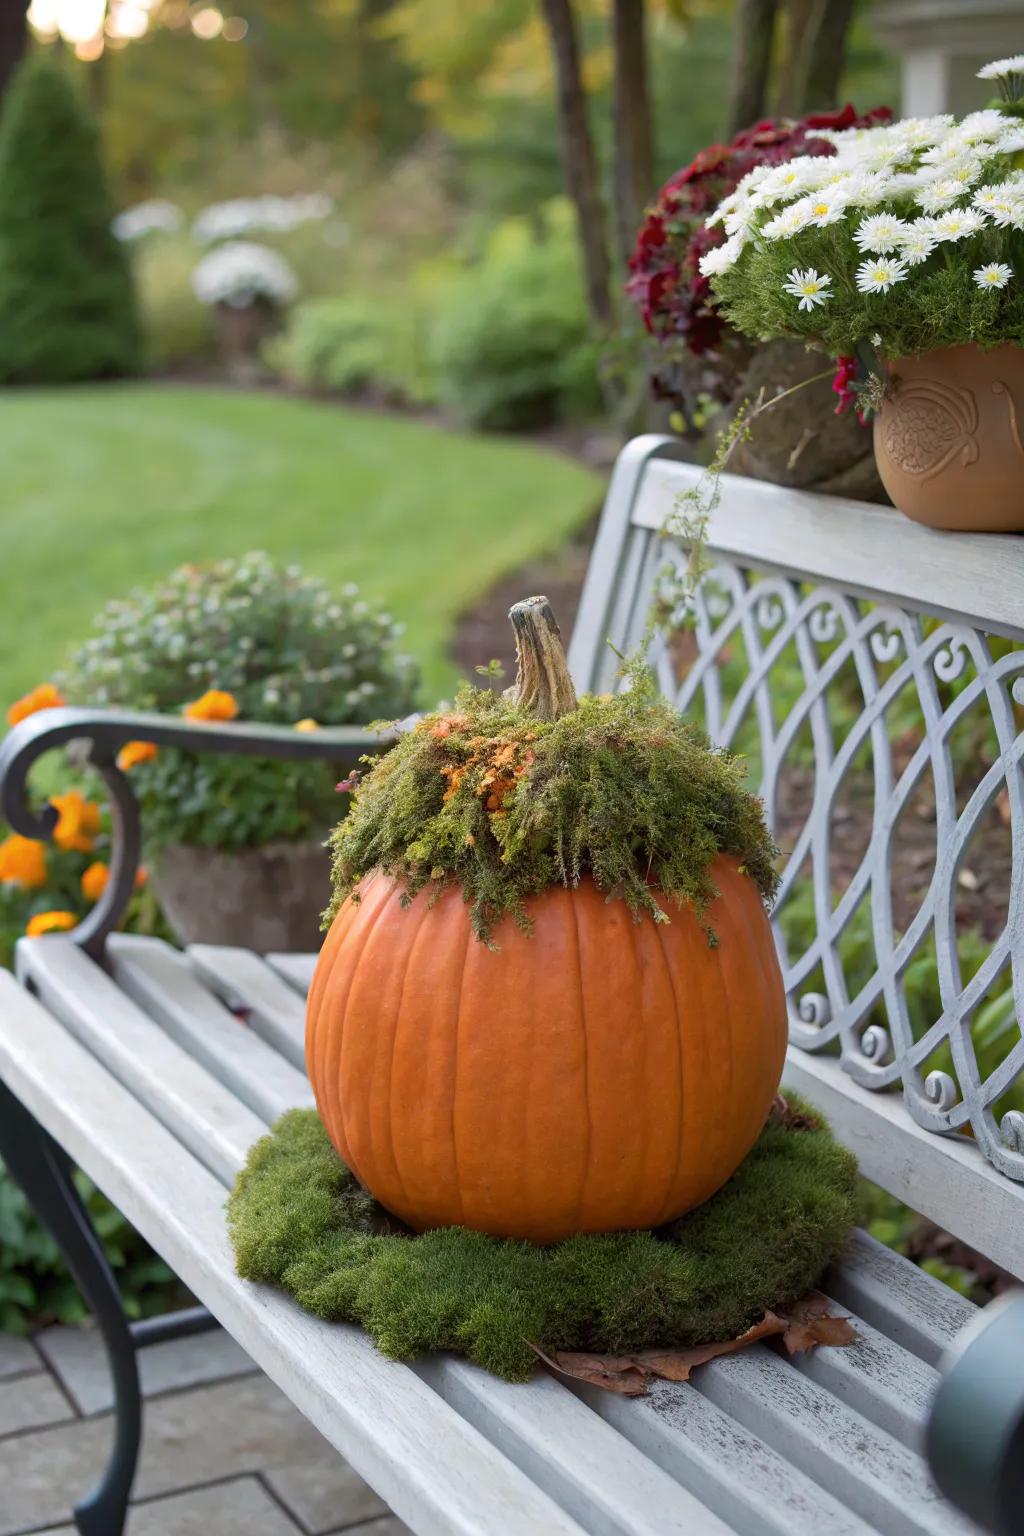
(264, 899)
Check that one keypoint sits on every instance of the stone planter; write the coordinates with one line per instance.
(948, 438)
(265, 899)
(241, 331)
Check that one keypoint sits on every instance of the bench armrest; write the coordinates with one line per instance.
(104, 733)
(975, 1436)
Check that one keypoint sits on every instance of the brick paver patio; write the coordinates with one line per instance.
(224, 1452)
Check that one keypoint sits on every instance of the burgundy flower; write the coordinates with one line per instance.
(665, 282)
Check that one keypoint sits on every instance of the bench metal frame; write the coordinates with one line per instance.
(124, 1031)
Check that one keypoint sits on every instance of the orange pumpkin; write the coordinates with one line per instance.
(600, 1073)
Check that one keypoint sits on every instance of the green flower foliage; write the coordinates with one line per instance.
(937, 305)
(67, 305)
(286, 647)
(489, 797)
(299, 1221)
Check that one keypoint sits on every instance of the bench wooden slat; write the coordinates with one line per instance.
(748, 1483)
(164, 985)
(877, 1378)
(883, 1481)
(436, 1470)
(901, 1300)
(242, 981)
(206, 1117)
(297, 970)
(586, 1465)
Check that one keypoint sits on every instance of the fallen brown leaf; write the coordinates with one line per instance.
(807, 1325)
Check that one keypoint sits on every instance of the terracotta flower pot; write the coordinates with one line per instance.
(265, 899)
(948, 438)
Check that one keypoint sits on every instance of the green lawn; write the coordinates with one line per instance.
(109, 486)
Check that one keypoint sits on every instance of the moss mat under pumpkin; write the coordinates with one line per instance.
(300, 1221)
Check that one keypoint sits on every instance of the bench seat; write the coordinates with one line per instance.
(158, 1073)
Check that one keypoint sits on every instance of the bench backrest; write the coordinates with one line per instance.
(873, 672)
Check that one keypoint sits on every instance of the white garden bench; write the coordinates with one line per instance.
(155, 1070)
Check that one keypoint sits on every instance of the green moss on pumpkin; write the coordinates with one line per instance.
(504, 804)
(300, 1221)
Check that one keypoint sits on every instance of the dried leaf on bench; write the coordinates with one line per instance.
(807, 1325)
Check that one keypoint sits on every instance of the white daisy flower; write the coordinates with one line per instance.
(957, 224)
(918, 132)
(880, 232)
(1000, 68)
(789, 222)
(740, 221)
(785, 181)
(721, 258)
(821, 208)
(917, 244)
(879, 276)
(996, 275)
(977, 127)
(810, 287)
(1010, 142)
(939, 194)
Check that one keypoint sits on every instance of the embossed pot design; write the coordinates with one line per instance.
(949, 439)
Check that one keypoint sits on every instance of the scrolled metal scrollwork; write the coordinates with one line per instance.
(104, 733)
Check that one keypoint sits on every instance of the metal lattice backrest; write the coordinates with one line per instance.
(873, 672)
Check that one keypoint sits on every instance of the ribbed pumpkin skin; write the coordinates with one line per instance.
(599, 1074)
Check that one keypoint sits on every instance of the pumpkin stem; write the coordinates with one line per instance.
(543, 684)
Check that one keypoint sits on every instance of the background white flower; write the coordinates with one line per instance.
(996, 275)
(916, 245)
(156, 215)
(810, 287)
(240, 272)
(721, 258)
(250, 215)
(879, 276)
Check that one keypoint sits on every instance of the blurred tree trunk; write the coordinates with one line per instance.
(826, 54)
(751, 63)
(579, 161)
(814, 55)
(13, 38)
(634, 141)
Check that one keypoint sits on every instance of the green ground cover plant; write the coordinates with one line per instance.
(300, 1221)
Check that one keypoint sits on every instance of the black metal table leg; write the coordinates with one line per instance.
(43, 1171)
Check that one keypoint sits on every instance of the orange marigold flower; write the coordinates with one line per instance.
(50, 922)
(45, 696)
(78, 822)
(23, 861)
(309, 724)
(136, 752)
(215, 704)
(141, 876)
(94, 880)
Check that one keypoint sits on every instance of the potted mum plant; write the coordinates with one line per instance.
(247, 285)
(902, 257)
(700, 360)
(235, 845)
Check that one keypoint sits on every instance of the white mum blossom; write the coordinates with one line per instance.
(936, 195)
(1000, 68)
(721, 258)
(789, 222)
(810, 287)
(240, 272)
(155, 215)
(784, 181)
(251, 215)
(917, 244)
(996, 275)
(821, 208)
(1011, 141)
(957, 224)
(879, 276)
(880, 232)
